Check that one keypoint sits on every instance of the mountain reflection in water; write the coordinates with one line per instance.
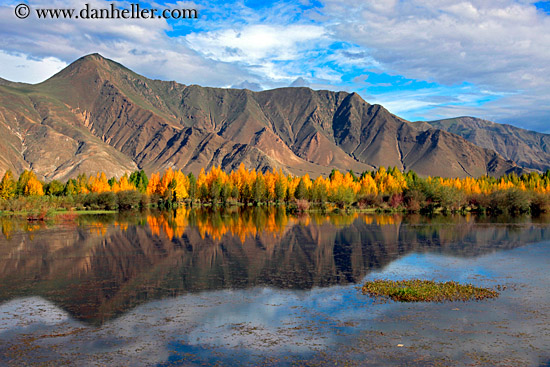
(98, 267)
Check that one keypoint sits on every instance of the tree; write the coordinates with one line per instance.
(33, 188)
(123, 185)
(225, 193)
(203, 193)
(280, 188)
(181, 185)
(23, 180)
(29, 185)
(259, 190)
(332, 174)
(82, 184)
(215, 190)
(8, 186)
(153, 186)
(139, 180)
(70, 188)
(99, 183)
(166, 187)
(192, 187)
(301, 190)
(54, 188)
(319, 190)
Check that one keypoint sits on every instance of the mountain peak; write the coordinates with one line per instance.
(90, 64)
(95, 55)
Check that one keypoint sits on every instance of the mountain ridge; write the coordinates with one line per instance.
(530, 149)
(98, 115)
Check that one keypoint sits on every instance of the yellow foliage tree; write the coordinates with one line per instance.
(99, 183)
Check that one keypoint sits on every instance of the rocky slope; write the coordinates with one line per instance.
(97, 115)
(527, 148)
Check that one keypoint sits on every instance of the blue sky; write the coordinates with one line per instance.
(421, 59)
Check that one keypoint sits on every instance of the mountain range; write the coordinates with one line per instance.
(97, 115)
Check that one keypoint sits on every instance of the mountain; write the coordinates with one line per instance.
(527, 148)
(97, 115)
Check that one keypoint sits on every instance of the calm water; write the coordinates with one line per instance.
(260, 287)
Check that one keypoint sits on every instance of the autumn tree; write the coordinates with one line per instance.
(33, 187)
(153, 186)
(8, 187)
(28, 184)
(123, 185)
(180, 186)
(99, 183)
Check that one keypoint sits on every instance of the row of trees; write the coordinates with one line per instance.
(385, 188)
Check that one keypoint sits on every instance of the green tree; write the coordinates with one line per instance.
(225, 193)
(215, 190)
(23, 180)
(139, 180)
(54, 188)
(203, 193)
(81, 183)
(192, 187)
(319, 193)
(301, 190)
(280, 190)
(259, 190)
(235, 193)
(70, 188)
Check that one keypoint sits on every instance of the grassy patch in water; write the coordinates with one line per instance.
(417, 290)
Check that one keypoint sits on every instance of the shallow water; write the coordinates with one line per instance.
(260, 287)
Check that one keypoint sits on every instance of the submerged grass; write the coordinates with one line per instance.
(417, 290)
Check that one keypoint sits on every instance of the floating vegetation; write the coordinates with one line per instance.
(417, 290)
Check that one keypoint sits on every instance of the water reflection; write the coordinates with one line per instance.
(98, 267)
(262, 287)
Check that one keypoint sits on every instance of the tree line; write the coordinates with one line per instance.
(384, 188)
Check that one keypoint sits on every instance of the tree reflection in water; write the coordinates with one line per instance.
(99, 267)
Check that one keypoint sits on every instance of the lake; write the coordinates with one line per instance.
(261, 287)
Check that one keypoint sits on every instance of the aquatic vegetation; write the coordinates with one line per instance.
(417, 290)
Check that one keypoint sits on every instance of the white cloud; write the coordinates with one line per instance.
(256, 42)
(260, 47)
(141, 45)
(488, 43)
(21, 68)
(503, 45)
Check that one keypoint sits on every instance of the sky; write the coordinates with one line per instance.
(421, 59)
